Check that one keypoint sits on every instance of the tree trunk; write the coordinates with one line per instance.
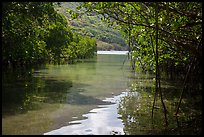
(158, 88)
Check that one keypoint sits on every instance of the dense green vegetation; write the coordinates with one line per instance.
(162, 37)
(34, 32)
(91, 25)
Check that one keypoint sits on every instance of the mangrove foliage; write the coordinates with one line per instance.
(33, 32)
(164, 38)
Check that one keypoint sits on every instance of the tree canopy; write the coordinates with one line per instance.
(179, 29)
(35, 32)
(163, 36)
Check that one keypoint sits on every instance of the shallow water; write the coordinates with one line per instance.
(103, 120)
(50, 97)
(96, 96)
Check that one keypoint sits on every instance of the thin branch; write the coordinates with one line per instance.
(146, 19)
(163, 7)
(183, 88)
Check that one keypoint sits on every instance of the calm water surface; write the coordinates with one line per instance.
(96, 96)
(103, 120)
(81, 98)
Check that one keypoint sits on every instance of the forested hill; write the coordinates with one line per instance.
(107, 37)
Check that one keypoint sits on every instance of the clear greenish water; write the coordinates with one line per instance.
(96, 96)
(38, 100)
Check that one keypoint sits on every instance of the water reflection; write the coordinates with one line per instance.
(103, 120)
(38, 100)
(136, 112)
(24, 92)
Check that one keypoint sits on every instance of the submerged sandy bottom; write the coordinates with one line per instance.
(103, 120)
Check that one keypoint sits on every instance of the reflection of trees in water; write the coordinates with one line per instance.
(135, 111)
(135, 114)
(22, 92)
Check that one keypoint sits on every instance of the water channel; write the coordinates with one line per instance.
(98, 96)
(49, 97)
